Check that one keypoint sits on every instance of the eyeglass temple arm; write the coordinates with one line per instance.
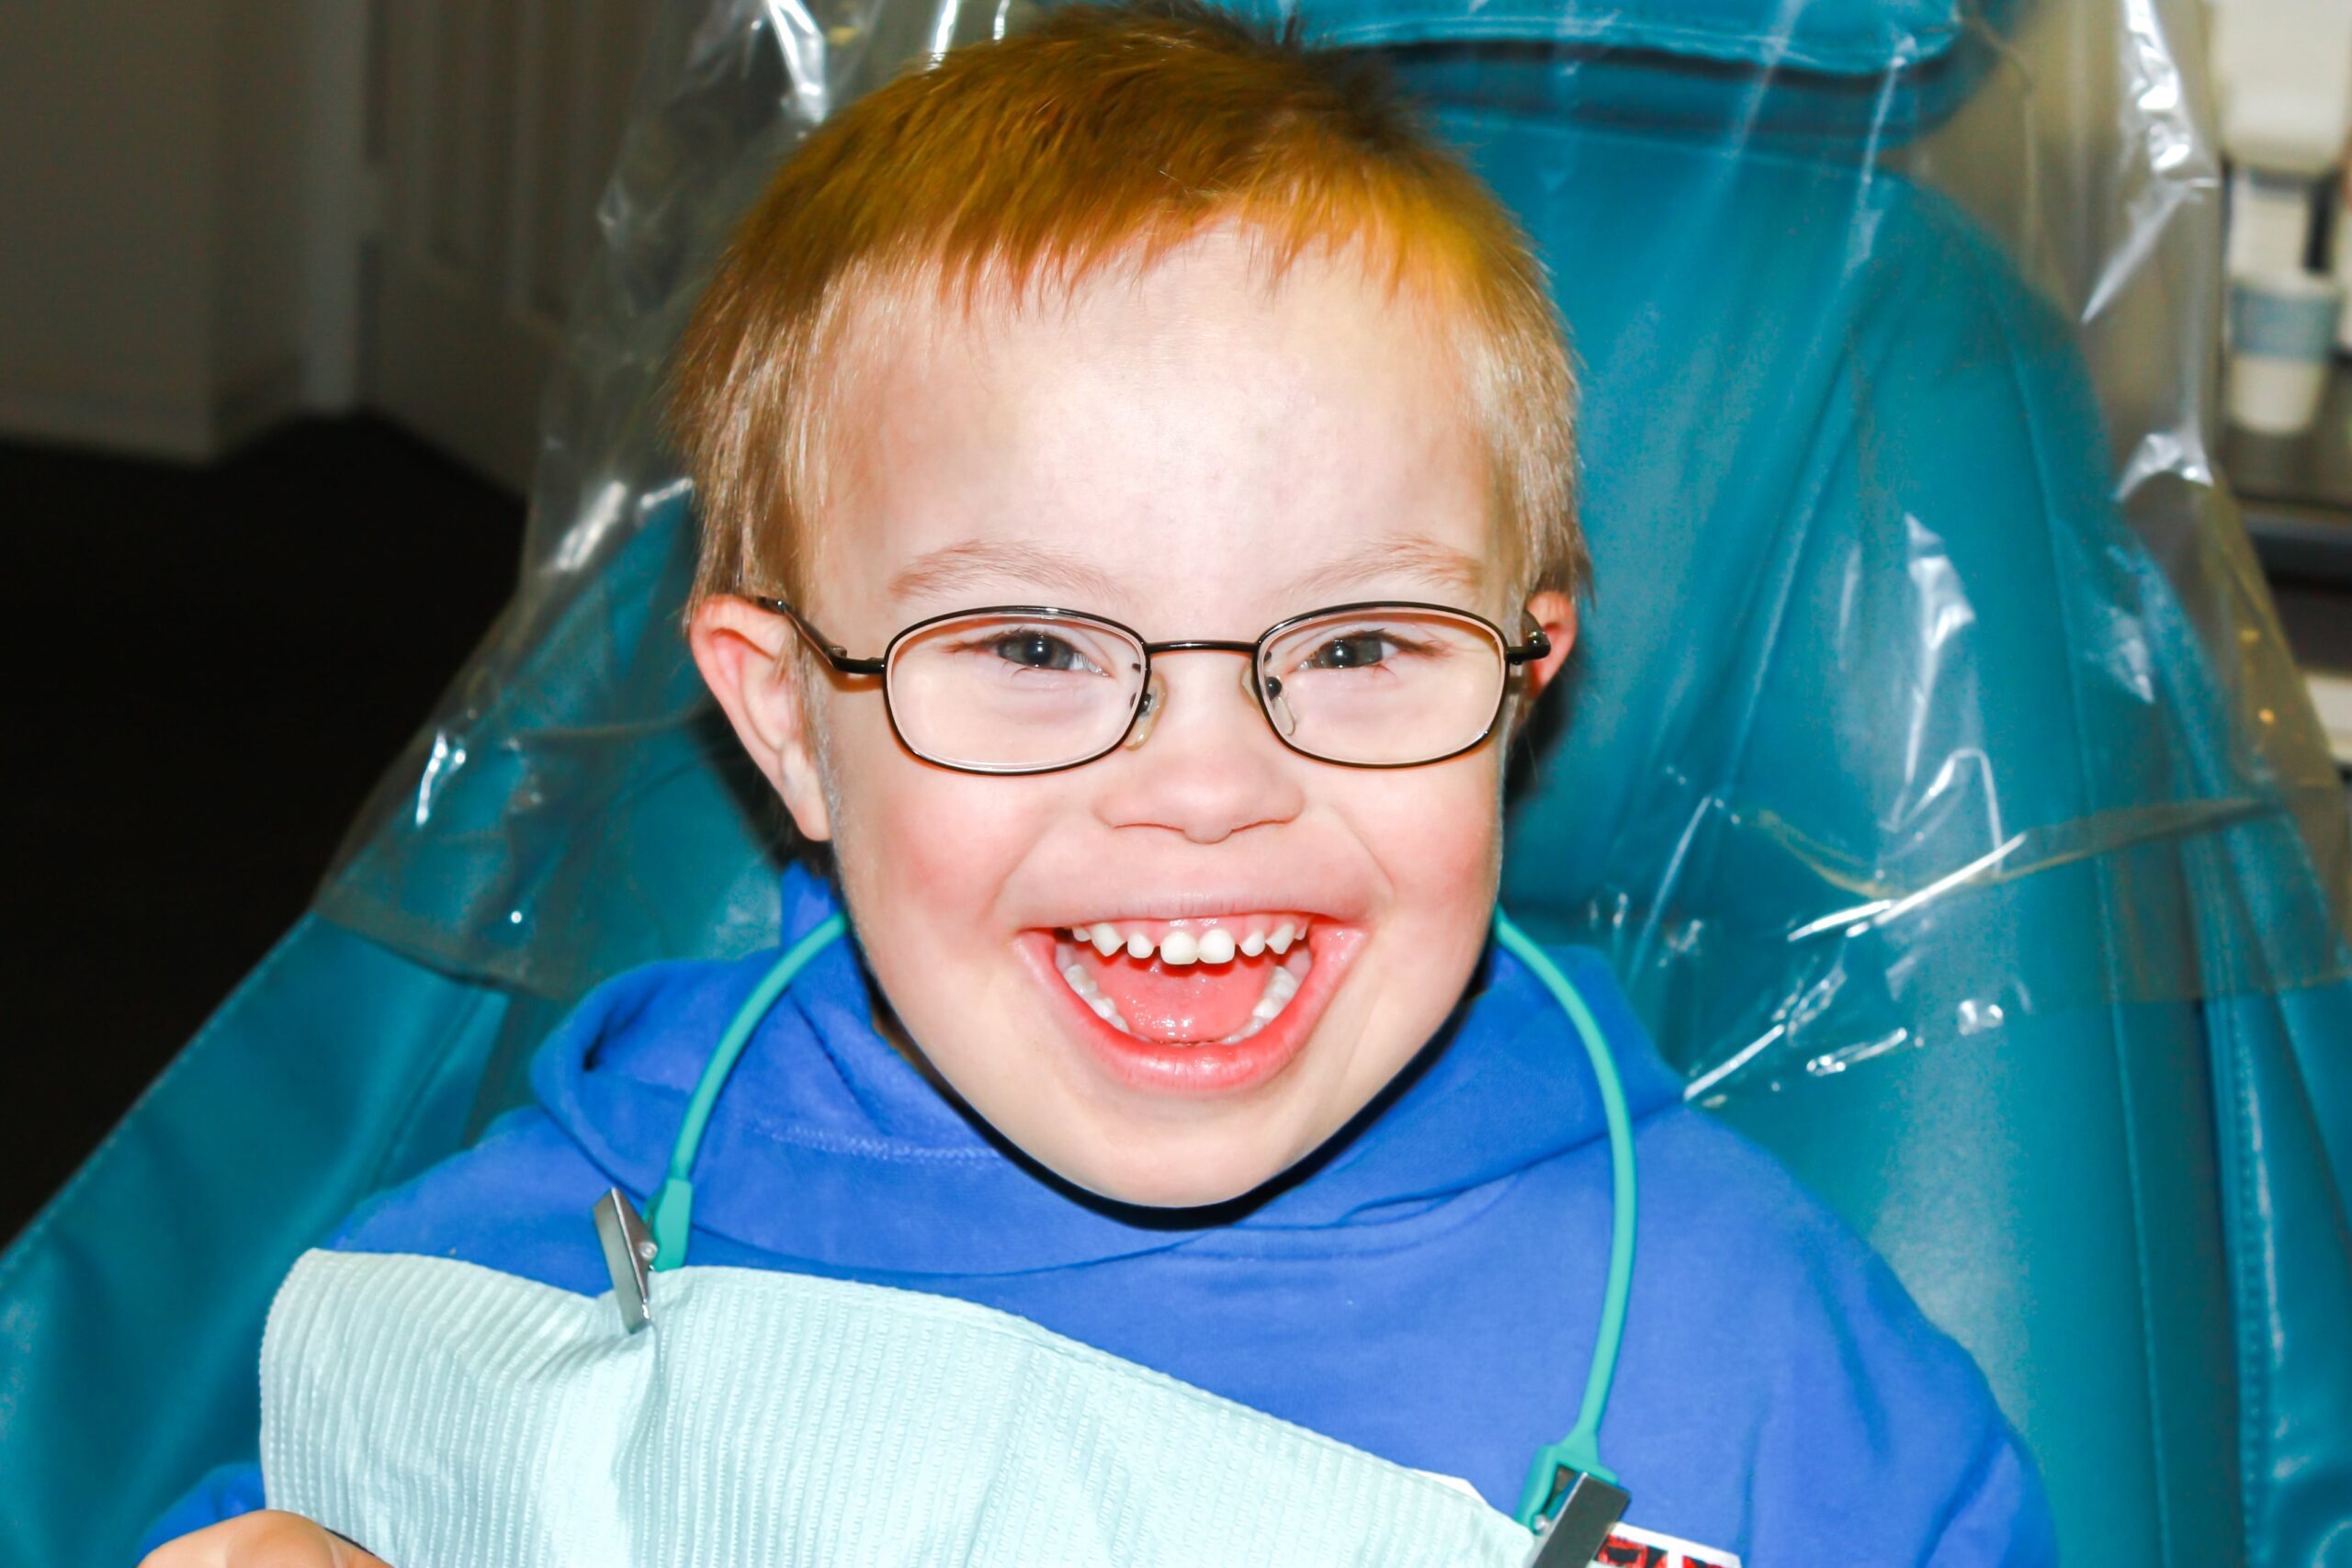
(833, 652)
(1537, 645)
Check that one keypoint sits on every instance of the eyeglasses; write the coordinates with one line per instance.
(1028, 689)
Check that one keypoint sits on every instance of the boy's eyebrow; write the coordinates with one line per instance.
(937, 573)
(1391, 556)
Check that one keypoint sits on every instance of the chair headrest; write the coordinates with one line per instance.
(1835, 78)
(1841, 36)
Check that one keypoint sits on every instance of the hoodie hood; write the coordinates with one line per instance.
(826, 1145)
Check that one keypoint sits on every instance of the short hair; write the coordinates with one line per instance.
(1106, 135)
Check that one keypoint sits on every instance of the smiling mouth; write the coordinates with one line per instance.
(1195, 1008)
(1206, 982)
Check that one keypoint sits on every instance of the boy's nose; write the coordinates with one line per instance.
(1201, 760)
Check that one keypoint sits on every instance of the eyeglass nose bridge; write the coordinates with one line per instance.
(1155, 688)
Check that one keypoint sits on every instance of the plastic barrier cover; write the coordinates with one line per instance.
(1929, 681)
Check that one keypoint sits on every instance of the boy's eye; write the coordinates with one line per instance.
(1034, 650)
(1356, 651)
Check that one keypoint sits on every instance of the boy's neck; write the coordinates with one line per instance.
(887, 1024)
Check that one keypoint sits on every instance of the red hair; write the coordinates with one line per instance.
(1107, 135)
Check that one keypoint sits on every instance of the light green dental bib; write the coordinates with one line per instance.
(451, 1417)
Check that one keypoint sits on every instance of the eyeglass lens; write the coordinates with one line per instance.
(1007, 693)
(1013, 693)
(1386, 686)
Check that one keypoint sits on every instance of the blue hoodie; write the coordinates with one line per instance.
(1426, 1287)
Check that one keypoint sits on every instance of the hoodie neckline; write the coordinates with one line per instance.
(828, 1148)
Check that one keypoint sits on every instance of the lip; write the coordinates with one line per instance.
(1209, 1071)
(1200, 904)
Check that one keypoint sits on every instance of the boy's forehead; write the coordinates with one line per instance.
(1194, 430)
(951, 573)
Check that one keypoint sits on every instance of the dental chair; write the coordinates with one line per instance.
(1930, 767)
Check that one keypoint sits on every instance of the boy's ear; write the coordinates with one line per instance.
(1556, 613)
(745, 657)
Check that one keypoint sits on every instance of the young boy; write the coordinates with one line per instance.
(1172, 1024)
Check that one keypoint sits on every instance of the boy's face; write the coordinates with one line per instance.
(1198, 455)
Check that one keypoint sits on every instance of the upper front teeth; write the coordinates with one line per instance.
(1216, 944)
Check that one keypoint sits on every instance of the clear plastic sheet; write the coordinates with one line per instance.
(1929, 683)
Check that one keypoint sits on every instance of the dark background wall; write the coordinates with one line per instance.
(209, 669)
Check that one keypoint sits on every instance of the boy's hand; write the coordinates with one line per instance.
(265, 1538)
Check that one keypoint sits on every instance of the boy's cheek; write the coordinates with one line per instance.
(1436, 832)
(921, 845)
(924, 857)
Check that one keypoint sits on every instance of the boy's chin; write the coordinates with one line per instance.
(1142, 1172)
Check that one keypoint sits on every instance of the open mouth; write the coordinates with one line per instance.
(1188, 983)
(1201, 1005)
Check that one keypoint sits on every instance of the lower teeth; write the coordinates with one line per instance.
(1281, 985)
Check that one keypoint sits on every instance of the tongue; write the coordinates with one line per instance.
(1193, 1003)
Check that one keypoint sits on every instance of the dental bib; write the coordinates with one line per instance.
(448, 1416)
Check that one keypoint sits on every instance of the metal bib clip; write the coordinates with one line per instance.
(628, 1254)
(1576, 1520)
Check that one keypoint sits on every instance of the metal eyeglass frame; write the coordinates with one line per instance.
(1537, 645)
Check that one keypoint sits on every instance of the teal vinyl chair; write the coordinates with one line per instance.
(1939, 834)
